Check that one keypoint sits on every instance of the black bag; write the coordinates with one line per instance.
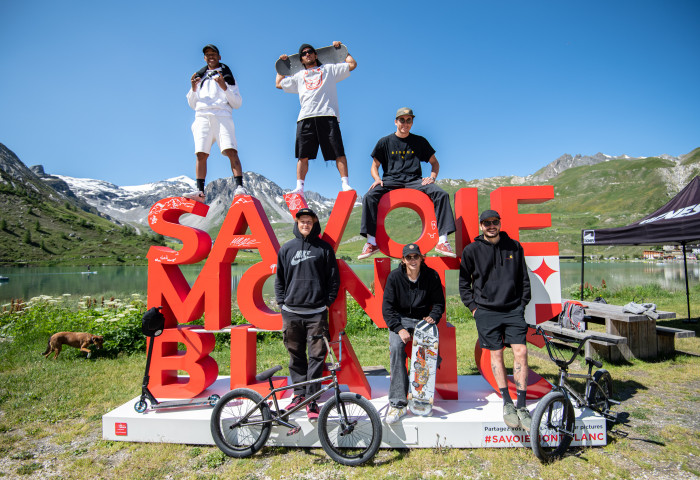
(153, 322)
(572, 316)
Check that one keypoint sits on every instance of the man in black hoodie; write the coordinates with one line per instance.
(495, 287)
(306, 285)
(413, 292)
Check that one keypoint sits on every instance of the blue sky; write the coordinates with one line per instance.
(97, 89)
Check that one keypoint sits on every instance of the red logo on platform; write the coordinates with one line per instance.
(120, 429)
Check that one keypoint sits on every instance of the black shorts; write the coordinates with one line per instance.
(315, 131)
(496, 329)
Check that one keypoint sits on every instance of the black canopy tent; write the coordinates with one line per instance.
(677, 222)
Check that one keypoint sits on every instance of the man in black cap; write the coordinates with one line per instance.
(213, 96)
(400, 155)
(495, 287)
(317, 123)
(413, 292)
(306, 285)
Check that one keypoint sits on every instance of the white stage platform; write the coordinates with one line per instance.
(473, 421)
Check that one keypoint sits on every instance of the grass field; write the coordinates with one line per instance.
(50, 420)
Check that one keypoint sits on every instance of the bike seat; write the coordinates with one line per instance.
(595, 363)
(262, 376)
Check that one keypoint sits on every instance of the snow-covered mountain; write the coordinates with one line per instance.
(130, 204)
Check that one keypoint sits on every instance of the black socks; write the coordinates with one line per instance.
(200, 184)
(238, 180)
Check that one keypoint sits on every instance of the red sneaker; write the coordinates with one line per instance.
(368, 251)
(312, 411)
(295, 401)
(445, 249)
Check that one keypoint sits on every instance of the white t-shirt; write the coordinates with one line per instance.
(210, 99)
(318, 94)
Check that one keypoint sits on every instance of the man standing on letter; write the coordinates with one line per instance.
(213, 96)
(306, 285)
(495, 287)
(317, 123)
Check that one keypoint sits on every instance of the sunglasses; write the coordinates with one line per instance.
(414, 256)
(307, 52)
(488, 223)
(405, 120)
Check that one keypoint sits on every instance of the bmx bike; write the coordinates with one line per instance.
(349, 427)
(553, 419)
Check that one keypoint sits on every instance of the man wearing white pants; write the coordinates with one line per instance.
(213, 96)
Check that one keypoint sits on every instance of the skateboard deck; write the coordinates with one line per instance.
(424, 355)
(328, 54)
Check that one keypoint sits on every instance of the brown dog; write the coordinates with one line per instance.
(74, 339)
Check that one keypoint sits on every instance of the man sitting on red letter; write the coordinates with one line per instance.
(400, 155)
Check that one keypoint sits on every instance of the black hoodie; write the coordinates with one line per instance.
(404, 298)
(494, 276)
(307, 272)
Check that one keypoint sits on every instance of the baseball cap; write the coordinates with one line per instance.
(306, 211)
(404, 111)
(304, 46)
(212, 47)
(411, 248)
(488, 214)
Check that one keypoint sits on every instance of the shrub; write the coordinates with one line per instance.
(119, 322)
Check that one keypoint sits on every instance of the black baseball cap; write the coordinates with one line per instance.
(488, 214)
(306, 211)
(210, 47)
(305, 46)
(410, 249)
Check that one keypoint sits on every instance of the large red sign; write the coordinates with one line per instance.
(210, 295)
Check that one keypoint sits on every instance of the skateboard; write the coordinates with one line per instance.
(328, 54)
(424, 355)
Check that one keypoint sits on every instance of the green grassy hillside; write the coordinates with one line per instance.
(35, 230)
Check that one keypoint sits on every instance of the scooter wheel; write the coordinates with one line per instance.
(409, 396)
(140, 406)
(213, 399)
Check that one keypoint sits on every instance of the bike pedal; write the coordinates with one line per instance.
(293, 431)
(614, 402)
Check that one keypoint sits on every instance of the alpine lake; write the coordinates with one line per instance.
(122, 281)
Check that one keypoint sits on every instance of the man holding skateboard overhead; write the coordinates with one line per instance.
(413, 292)
(213, 96)
(400, 155)
(495, 287)
(317, 123)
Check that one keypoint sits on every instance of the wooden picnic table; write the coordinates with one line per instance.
(638, 329)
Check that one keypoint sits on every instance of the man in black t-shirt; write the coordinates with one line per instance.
(400, 154)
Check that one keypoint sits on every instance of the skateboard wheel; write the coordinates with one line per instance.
(435, 345)
(409, 396)
(431, 401)
(415, 342)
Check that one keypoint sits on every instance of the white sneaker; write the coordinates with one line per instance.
(347, 188)
(394, 414)
(196, 195)
(298, 190)
(240, 190)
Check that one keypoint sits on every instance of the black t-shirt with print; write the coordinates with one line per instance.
(400, 157)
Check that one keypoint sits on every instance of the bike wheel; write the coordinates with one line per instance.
(234, 436)
(552, 426)
(600, 393)
(354, 443)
